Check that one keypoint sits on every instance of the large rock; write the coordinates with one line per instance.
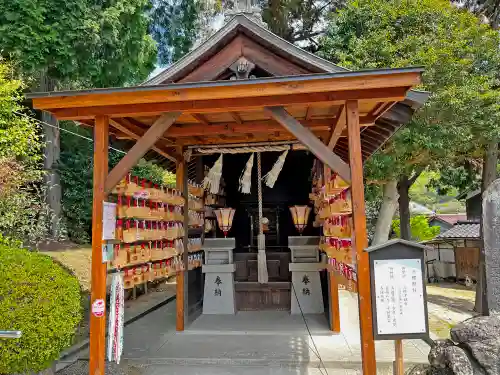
(445, 357)
(437, 354)
(476, 329)
(458, 361)
(481, 338)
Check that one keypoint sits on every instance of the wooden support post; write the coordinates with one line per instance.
(398, 364)
(360, 239)
(180, 276)
(185, 255)
(98, 286)
(334, 302)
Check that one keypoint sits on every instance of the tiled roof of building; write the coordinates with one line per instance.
(450, 218)
(462, 230)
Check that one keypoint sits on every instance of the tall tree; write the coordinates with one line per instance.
(177, 25)
(78, 43)
(74, 43)
(461, 60)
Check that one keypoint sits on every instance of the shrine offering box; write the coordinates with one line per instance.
(399, 298)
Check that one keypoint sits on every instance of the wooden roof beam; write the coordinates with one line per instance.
(139, 128)
(136, 136)
(139, 149)
(201, 118)
(227, 105)
(264, 126)
(243, 138)
(337, 129)
(245, 89)
(306, 137)
(236, 117)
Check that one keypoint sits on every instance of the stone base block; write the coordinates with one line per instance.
(219, 293)
(307, 294)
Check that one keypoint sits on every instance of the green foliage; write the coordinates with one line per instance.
(420, 229)
(75, 168)
(461, 60)
(176, 25)
(9, 242)
(67, 43)
(23, 213)
(78, 42)
(19, 138)
(298, 21)
(424, 191)
(41, 299)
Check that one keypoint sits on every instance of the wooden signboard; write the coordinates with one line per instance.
(399, 300)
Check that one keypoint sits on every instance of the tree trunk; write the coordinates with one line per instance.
(51, 160)
(386, 213)
(404, 207)
(490, 160)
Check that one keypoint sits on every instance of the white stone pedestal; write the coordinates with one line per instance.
(219, 289)
(307, 285)
(219, 297)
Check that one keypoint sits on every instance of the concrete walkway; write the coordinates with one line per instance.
(256, 343)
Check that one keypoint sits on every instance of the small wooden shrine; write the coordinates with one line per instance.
(243, 87)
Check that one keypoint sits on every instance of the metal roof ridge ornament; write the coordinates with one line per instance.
(249, 8)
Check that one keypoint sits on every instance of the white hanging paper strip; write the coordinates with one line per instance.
(246, 176)
(212, 180)
(271, 177)
(115, 326)
(111, 319)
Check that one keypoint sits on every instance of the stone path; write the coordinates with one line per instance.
(252, 343)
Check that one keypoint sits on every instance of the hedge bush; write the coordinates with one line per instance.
(41, 299)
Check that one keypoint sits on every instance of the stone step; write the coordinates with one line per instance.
(130, 367)
(259, 363)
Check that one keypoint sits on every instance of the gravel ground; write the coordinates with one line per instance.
(448, 304)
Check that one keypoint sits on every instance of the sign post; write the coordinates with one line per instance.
(399, 298)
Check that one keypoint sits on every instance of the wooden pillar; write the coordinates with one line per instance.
(360, 238)
(98, 281)
(181, 177)
(333, 287)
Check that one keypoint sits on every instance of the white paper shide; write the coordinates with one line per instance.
(399, 296)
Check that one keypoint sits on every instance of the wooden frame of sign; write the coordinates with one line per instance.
(402, 305)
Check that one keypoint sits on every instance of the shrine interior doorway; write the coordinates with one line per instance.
(292, 188)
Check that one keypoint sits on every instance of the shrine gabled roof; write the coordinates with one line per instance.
(241, 23)
(234, 111)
